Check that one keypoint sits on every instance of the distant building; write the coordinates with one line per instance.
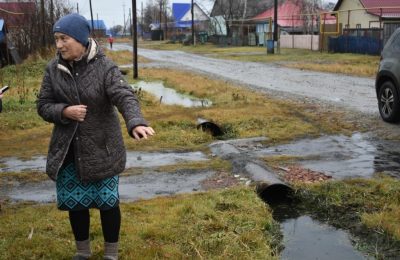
(99, 28)
(363, 14)
(182, 13)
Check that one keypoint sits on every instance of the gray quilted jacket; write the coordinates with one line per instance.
(97, 142)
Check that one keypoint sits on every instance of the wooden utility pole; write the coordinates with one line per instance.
(51, 13)
(43, 23)
(130, 22)
(161, 35)
(192, 11)
(77, 8)
(141, 24)
(134, 24)
(275, 24)
(91, 16)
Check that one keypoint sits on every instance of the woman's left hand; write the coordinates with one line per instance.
(140, 132)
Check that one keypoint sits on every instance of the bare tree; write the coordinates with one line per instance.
(239, 10)
(309, 10)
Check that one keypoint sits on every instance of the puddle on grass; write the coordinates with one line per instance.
(169, 96)
(131, 188)
(305, 238)
(133, 159)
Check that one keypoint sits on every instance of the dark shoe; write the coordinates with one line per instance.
(79, 257)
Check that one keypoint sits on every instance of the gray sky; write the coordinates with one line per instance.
(112, 11)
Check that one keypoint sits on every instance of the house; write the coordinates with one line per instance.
(294, 18)
(17, 14)
(100, 29)
(364, 25)
(17, 18)
(368, 14)
(226, 13)
(182, 14)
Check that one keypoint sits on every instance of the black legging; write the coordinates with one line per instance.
(110, 223)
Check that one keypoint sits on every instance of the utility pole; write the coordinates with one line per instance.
(51, 13)
(130, 22)
(123, 7)
(134, 23)
(161, 36)
(165, 21)
(192, 11)
(275, 24)
(43, 22)
(91, 16)
(142, 22)
(77, 8)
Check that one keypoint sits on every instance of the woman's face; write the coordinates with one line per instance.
(69, 48)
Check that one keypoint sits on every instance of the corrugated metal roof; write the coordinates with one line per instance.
(98, 24)
(179, 10)
(289, 14)
(384, 8)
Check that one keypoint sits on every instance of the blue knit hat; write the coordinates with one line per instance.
(74, 25)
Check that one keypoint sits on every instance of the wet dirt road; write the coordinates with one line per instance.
(349, 92)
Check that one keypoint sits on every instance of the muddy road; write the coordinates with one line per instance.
(355, 93)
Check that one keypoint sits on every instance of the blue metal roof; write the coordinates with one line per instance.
(98, 24)
(179, 10)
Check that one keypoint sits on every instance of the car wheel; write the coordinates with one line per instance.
(388, 102)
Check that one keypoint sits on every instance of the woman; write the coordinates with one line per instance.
(86, 153)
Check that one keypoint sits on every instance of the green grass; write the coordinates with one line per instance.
(221, 224)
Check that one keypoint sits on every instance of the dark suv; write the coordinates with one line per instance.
(387, 82)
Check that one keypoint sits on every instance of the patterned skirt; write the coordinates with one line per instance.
(72, 194)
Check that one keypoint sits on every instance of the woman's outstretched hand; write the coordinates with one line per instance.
(140, 132)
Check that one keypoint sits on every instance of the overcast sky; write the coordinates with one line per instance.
(112, 11)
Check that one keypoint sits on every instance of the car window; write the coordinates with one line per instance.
(395, 45)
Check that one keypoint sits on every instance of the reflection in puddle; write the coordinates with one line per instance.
(131, 188)
(306, 238)
(133, 159)
(169, 96)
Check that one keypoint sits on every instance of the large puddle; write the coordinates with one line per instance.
(169, 96)
(341, 156)
(306, 238)
(133, 159)
(135, 187)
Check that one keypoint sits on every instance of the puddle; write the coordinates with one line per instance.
(306, 238)
(342, 156)
(133, 159)
(169, 96)
(131, 188)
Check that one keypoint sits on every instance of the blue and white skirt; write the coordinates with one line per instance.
(73, 194)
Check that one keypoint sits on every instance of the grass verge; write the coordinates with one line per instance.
(220, 224)
(343, 63)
